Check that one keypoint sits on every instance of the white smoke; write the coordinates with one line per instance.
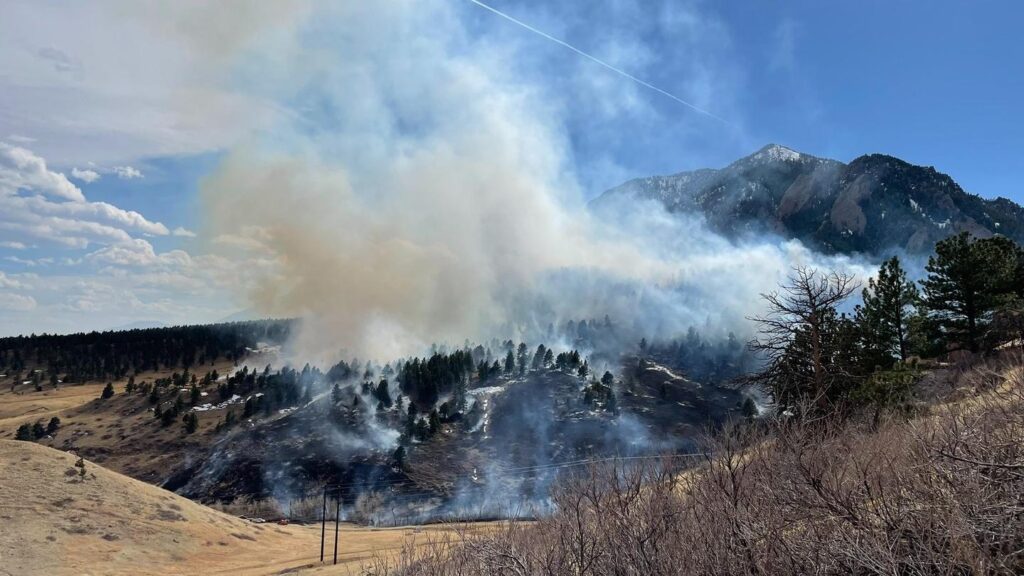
(421, 191)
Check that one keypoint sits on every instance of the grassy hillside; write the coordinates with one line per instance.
(58, 521)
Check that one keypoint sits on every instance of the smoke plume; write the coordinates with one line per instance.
(422, 190)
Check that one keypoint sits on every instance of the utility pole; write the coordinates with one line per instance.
(337, 517)
(323, 525)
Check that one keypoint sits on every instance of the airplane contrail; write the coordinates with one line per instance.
(618, 71)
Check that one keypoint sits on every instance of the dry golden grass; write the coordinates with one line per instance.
(57, 522)
(29, 406)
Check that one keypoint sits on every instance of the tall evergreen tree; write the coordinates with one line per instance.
(884, 316)
(191, 422)
(510, 363)
(967, 281)
(538, 357)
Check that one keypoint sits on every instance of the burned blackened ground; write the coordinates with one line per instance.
(295, 454)
(498, 458)
(672, 404)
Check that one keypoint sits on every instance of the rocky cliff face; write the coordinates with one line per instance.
(874, 205)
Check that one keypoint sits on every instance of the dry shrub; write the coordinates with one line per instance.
(939, 494)
(365, 508)
(250, 507)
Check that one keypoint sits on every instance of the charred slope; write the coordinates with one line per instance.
(504, 451)
(874, 205)
(294, 453)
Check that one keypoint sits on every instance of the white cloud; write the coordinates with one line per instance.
(183, 232)
(8, 282)
(20, 169)
(87, 176)
(29, 261)
(19, 139)
(140, 253)
(136, 252)
(38, 203)
(13, 245)
(16, 302)
(127, 172)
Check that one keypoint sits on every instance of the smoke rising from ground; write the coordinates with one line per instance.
(422, 191)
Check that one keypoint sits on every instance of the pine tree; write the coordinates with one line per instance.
(510, 363)
(383, 394)
(108, 391)
(434, 422)
(24, 432)
(748, 409)
(191, 422)
(583, 370)
(522, 357)
(967, 281)
(168, 417)
(538, 357)
(53, 426)
(884, 316)
(459, 397)
(38, 429)
(422, 429)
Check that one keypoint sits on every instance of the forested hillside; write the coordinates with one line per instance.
(77, 358)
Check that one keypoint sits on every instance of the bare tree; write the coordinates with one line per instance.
(803, 339)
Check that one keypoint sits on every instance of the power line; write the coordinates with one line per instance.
(599, 61)
(523, 472)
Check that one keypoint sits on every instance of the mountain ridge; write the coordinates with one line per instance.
(876, 204)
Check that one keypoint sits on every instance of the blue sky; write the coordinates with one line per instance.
(177, 93)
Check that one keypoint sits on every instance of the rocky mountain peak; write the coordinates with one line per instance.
(875, 205)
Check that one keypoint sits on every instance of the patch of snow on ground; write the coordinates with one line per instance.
(235, 399)
(664, 370)
(488, 390)
(483, 395)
